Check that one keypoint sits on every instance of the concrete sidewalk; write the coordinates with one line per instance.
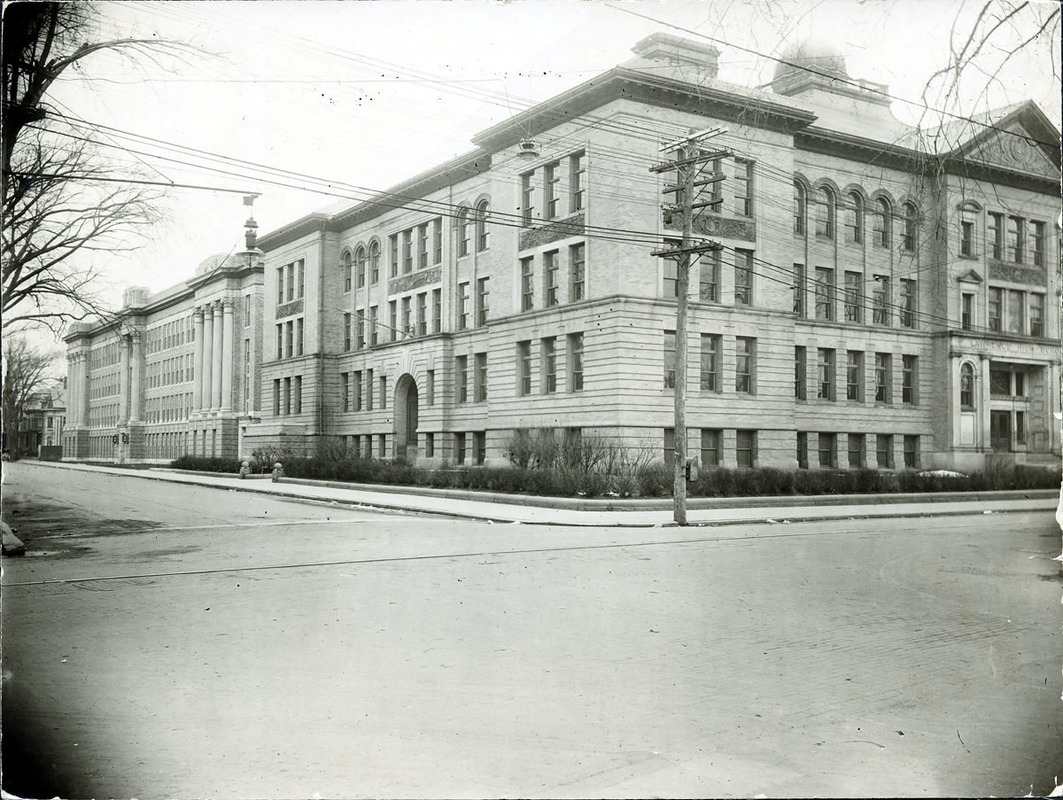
(597, 513)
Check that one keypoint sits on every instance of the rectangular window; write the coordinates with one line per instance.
(710, 363)
(575, 186)
(828, 450)
(479, 444)
(1016, 229)
(575, 362)
(299, 336)
(382, 445)
(356, 390)
(482, 297)
(800, 372)
(670, 287)
(461, 370)
(369, 390)
(880, 294)
(287, 396)
(824, 293)
(429, 445)
(393, 255)
(854, 376)
(422, 245)
(551, 179)
(302, 278)
(280, 342)
(430, 388)
(549, 366)
(289, 339)
(709, 277)
(553, 271)
(802, 450)
(407, 251)
(437, 240)
(967, 238)
(883, 378)
(743, 187)
(669, 447)
(280, 285)
(407, 318)
(1037, 243)
(1037, 314)
(527, 284)
(524, 363)
(857, 450)
(1000, 382)
(966, 311)
(908, 303)
(464, 319)
(745, 365)
(527, 205)
(422, 313)
(746, 449)
(459, 448)
(710, 447)
(276, 397)
(297, 394)
(373, 332)
(669, 359)
(1015, 318)
(393, 319)
(996, 308)
(247, 316)
(853, 281)
(909, 378)
(825, 371)
(383, 391)
(480, 379)
(995, 234)
(743, 278)
(578, 265)
(1020, 427)
(911, 452)
(799, 290)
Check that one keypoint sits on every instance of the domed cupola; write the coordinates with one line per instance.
(812, 62)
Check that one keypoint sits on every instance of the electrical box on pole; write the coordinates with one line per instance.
(687, 165)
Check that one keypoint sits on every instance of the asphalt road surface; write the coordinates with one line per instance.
(173, 641)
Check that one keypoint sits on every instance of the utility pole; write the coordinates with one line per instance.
(686, 165)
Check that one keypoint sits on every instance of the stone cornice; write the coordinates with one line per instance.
(315, 222)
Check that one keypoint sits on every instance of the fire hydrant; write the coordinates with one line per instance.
(278, 472)
(245, 469)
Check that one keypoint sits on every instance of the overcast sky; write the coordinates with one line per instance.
(371, 93)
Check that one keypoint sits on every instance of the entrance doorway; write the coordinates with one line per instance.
(406, 404)
(1000, 431)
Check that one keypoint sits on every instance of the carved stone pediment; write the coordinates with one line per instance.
(970, 276)
(1015, 149)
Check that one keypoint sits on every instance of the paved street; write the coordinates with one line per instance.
(166, 640)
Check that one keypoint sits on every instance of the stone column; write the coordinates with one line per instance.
(134, 383)
(71, 389)
(123, 378)
(227, 356)
(215, 377)
(197, 360)
(84, 396)
(206, 360)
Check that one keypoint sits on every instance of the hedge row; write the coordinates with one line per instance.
(654, 480)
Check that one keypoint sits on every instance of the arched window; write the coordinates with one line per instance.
(824, 213)
(359, 266)
(854, 218)
(374, 263)
(882, 222)
(910, 223)
(347, 270)
(481, 225)
(464, 231)
(967, 387)
(799, 209)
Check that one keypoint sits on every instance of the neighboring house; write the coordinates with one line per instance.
(175, 372)
(42, 422)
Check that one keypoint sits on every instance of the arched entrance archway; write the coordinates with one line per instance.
(406, 419)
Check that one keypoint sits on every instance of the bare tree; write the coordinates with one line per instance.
(27, 373)
(61, 202)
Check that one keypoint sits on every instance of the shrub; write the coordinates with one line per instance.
(206, 464)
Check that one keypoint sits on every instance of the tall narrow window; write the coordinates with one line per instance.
(854, 376)
(853, 303)
(799, 290)
(802, 450)
(966, 311)
(407, 321)
(880, 294)
(800, 372)
(356, 390)
(393, 255)
(882, 222)
(883, 378)
(575, 189)
(527, 284)
(549, 366)
(1015, 316)
(743, 278)
(710, 447)
(743, 188)
(359, 267)
(669, 359)
(374, 263)
(908, 303)
(995, 309)
(463, 306)
(911, 224)
(551, 179)
(482, 229)
(482, 297)
(430, 388)
(824, 293)
(884, 450)
(799, 209)
(828, 450)
(480, 378)
(710, 363)
(575, 362)
(437, 240)
(824, 213)
(671, 277)
(577, 262)
(709, 277)
(745, 365)
(911, 451)
(347, 331)
(393, 320)
(854, 218)
(967, 238)
(909, 378)
(407, 251)
(1037, 243)
(297, 394)
(966, 387)
(422, 245)
(1037, 314)
(437, 310)
(422, 313)
(461, 371)
(995, 234)
(1015, 240)
(527, 203)
(746, 449)
(464, 231)
(857, 450)
(347, 271)
(525, 366)
(553, 276)
(825, 374)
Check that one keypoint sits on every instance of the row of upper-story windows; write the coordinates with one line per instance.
(168, 371)
(103, 416)
(557, 198)
(290, 338)
(710, 267)
(1007, 311)
(358, 389)
(826, 204)
(828, 376)
(291, 282)
(104, 385)
(169, 334)
(852, 302)
(104, 356)
(548, 277)
(172, 408)
(1004, 382)
(1009, 237)
(711, 379)
(287, 396)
